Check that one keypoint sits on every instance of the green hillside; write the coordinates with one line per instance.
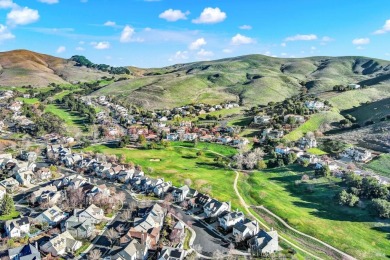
(251, 80)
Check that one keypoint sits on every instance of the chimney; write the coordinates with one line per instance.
(36, 245)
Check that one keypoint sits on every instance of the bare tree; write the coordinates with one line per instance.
(217, 254)
(168, 200)
(112, 235)
(126, 215)
(95, 254)
(239, 160)
(189, 223)
(250, 161)
(184, 204)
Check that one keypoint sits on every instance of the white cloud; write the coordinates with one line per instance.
(197, 44)
(61, 49)
(179, 55)
(109, 23)
(327, 39)
(385, 28)
(50, 2)
(283, 44)
(245, 27)
(127, 34)
(301, 37)
(210, 15)
(239, 39)
(203, 53)
(173, 15)
(101, 45)
(22, 16)
(227, 50)
(361, 41)
(80, 49)
(5, 4)
(81, 42)
(5, 34)
(313, 48)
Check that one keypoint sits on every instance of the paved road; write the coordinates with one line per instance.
(209, 241)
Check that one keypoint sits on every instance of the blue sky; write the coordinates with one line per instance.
(152, 33)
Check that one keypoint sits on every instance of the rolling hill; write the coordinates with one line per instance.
(22, 67)
(252, 79)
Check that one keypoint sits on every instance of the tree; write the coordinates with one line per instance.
(346, 198)
(112, 235)
(324, 171)
(381, 207)
(261, 165)
(94, 254)
(141, 139)
(7, 205)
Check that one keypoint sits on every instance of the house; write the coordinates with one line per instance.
(264, 243)
(61, 244)
(10, 184)
(71, 159)
(228, 219)
(224, 139)
(24, 177)
(34, 196)
(77, 181)
(52, 215)
(206, 138)
(170, 253)
(314, 105)
(161, 189)
(180, 194)
(43, 173)
(100, 189)
(25, 252)
(309, 159)
(240, 142)
(133, 251)
(246, 229)
(125, 175)
(28, 156)
(262, 119)
(272, 133)
(3, 191)
(189, 137)
(305, 142)
(17, 227)
(93, 213)
(199, 201)
(172, 137)
(79, 228)
(293, 118)
(281, 149)
(178, 232)
(214, 208)
(357, 154)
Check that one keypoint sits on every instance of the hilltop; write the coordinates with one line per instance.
(23, 67)
(251, 79)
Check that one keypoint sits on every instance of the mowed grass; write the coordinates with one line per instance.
(28, 101)
(380, 165)
(71, 119)
(314, 123)
(316, 151)
(177, 164)
(316, 213)
(224, 150)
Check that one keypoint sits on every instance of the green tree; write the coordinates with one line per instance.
(261, 165)
(141, 139)
(324, 171)
(7, 205)
(381, 207)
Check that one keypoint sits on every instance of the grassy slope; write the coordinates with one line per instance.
(255, 79)
(381, 165)
(176, 165)
(349, 229)
(313, 124)
(371, 111)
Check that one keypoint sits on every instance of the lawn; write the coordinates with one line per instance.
(12, 215)
(177, 164)
(315, 213)
(72, 119)
(29, 101)
(84, 247)
(315, 122)
(380, 165)
(217, 148)
(316, 151)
